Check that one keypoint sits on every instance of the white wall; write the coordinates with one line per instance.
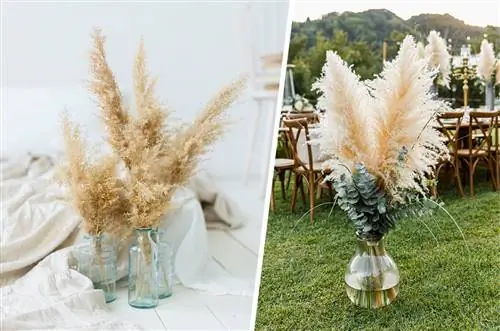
(195, 48)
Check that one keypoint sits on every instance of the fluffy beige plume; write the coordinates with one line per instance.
(194, 140)
(147, 130)
(438, 56)
(109, 99)
(177, 148)
(144, 87)
(405, 120)
(346, 123)
(149, 198)
(95, 190)
(159, 157)
(486, 62)
(421, 50)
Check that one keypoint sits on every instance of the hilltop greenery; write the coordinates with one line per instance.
(358, 38)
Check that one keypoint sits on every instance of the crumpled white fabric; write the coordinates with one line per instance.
(39, 227)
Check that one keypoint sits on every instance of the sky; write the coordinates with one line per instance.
(479, 12)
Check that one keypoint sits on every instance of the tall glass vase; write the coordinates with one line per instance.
(97, 259)
(434, 90)
(372, 276)
(143, 266)
(490, 96)
(166, 266)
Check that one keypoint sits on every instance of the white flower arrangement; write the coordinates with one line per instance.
(301, 104)
(421, 50)
(381, 137)
(439, 57)
(487, 63)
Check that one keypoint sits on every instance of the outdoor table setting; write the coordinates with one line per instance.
(464, 126)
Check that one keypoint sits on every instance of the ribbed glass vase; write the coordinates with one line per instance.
(166, 266)
(143, 266)
(372, 276)
(97, 259)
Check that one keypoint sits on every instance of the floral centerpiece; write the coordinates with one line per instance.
(157, 158)
(487, 68)
(301, 104)
(382, 144)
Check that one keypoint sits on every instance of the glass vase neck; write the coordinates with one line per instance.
(370, 239)
(143, 230)
(372, 247)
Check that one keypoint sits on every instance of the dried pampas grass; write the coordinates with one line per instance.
(346, 122)
(439, 58)
(159, 157)
(405, 122)
(96, 192)
(486, 62)
(195, 140)
(109, 99)
(388, 125)
(149, 199)
(421, 50)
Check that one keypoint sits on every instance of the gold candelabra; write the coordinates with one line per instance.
(463, 74)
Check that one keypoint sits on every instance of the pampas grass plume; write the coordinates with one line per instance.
(345, 124)
(405, 120)
(438, 56)
(486, 62)
(95, 190)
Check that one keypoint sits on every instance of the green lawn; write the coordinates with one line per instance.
(443, 285)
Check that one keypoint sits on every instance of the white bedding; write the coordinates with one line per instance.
(39, 231)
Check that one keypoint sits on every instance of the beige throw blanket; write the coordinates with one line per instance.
(39, 230)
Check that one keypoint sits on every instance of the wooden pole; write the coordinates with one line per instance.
(384, 51)
(466, 82)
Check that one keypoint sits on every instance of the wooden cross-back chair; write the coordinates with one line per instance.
(304, 169)
(480, 147)
(495, 148)
(282, 165)
(286, 164)
(309, 116)
(449, 125)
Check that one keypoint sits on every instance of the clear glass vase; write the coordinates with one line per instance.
(434, 90)
(489, 95)
(372, 276)
(143, 266)
(166, 266)
(97, 259)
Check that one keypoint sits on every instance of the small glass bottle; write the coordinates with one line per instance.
(166, 266)
(97, 259)
(143, 266)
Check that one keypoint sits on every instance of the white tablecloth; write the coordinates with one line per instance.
(315, 147)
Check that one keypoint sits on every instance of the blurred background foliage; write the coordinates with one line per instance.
(358, 38)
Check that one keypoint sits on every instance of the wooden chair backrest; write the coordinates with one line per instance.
(310, 117)
(485, 122)
(451, 129)
(295, 128)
